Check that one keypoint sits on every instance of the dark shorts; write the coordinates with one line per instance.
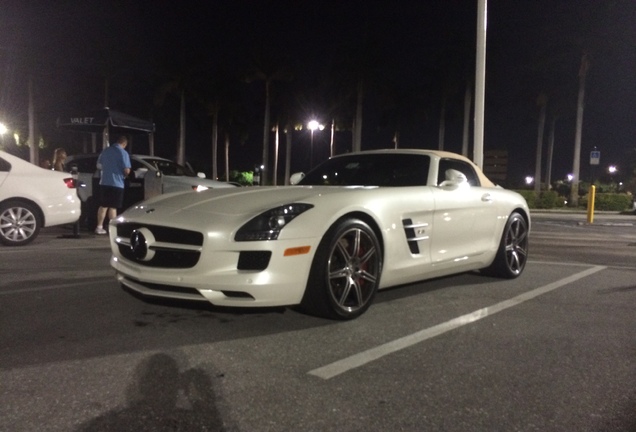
(110, 196)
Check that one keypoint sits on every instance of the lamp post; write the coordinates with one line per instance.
(312, 126)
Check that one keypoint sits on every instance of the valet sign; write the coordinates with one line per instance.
(595, 157)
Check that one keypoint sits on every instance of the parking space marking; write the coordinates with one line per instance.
(341, 366)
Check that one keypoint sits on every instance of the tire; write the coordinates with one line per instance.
(19, 223)
(345, 273)
(513, 249)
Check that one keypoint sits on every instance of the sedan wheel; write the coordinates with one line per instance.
(345, 273)
(19, 223)
(513, 249)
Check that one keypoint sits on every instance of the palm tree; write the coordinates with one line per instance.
(219, 96)
(401, 105)
(183, 79)
(574, 192)
(356, 72)
(468, 102)
(542, 103)
(558, 110)
(268, 68)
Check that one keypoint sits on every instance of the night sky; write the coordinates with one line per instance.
(411, 54)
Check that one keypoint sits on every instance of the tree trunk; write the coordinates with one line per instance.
(442, 125)
(288, 130)
(574, 192)
(276, 141)
(331, 143)
(357, 136)
(32, 142)
(543, 103)
(227, 157)
(548, 168)
(265, 162)
(215, 142)
(182, 126)
(468, 100)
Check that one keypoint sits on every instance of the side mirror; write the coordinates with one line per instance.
(201, 175)
(140, 172)
(296, 178)
(454, 179)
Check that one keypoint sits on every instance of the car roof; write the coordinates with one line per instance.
(441, 154)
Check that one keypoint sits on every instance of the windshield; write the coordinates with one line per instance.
(376, 169)
(168, 167)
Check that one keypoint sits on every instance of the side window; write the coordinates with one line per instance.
(461, 166)
(135, 165)
(5, 166)
(84, 164)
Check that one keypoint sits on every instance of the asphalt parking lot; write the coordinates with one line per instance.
(550, 351)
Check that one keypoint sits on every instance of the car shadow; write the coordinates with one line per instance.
(399, 292)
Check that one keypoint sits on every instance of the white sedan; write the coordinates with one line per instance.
(31, 198)
(357, 223)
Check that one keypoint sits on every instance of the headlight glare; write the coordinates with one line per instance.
(267, 225)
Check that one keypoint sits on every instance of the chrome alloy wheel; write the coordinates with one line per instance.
(18, 224)
(516, 245)
(354, 266)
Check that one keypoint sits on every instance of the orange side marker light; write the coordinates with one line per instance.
(301, 250)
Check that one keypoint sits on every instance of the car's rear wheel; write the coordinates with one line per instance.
(513, 249)
(345, 273)
(19, 223)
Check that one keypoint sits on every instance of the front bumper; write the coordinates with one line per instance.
(216, 277)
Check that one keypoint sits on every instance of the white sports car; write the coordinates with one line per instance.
(355, 224)
(31, 198)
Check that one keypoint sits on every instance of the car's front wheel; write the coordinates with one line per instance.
(513, 249)
(19, 223)
(345, 273)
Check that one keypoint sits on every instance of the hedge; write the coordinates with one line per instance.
(609, 201)
(543, 200)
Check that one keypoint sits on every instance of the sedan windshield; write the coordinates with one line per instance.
(378, 169)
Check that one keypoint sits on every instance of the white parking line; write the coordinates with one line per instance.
(362, 358)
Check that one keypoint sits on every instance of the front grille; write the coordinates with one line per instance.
(163, 234)
(179, 248)
(165, 258)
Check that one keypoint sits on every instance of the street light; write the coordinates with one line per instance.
(312, 126)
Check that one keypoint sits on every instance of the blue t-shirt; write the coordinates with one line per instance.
(113, 160)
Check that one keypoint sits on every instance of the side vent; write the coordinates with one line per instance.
(414, 233)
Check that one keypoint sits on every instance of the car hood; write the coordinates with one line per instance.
(237, 201)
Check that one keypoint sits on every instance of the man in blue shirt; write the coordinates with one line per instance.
(114, 163)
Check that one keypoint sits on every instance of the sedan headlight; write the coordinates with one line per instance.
(267, 225)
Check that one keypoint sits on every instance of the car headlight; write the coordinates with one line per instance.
(267, 225)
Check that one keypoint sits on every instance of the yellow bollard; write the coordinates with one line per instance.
(590, 204)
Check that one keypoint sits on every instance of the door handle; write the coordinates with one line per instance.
(486, 197)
